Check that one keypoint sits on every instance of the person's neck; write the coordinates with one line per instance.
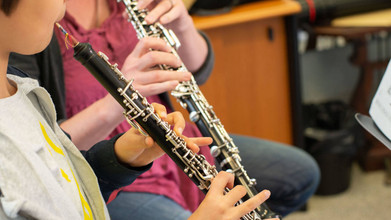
(6, 89)
(89, 14)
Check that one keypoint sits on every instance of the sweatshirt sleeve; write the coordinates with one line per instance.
(110, 172)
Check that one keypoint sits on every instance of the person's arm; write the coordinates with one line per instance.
(111, 174)
(194, 49)
(94, 123)
(203, 73)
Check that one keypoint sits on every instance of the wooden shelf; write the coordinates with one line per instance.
(248, 12)
(380, 18)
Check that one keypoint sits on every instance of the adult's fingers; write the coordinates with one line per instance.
(155, 58)
(143, 3)
(151, 43)
(159, 76)
(155, 88)
(160, 9)
(174, 13)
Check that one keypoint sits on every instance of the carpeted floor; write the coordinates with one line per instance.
(367, 198)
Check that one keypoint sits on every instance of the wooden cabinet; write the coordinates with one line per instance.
(250, 86)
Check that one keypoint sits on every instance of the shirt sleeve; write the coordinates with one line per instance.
(110, 172)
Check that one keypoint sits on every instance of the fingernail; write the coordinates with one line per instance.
(174, 83)
(140, 5)
(149, 19)
(266, 193)
(187, 75)
(180, 130)
(163, 115)
(195, 148)
(164, 20)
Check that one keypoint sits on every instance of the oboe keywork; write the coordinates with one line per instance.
(201, 113)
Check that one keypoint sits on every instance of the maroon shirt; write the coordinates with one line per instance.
(117, 38)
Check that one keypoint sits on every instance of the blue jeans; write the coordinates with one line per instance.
(140, 206)
(289, 173)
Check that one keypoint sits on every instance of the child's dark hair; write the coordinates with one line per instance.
(8, 5)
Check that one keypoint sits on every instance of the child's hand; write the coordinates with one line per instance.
(218, 205)
(137, 150)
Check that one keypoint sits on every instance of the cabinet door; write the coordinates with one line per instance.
(249, 86)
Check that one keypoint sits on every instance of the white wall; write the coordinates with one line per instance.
(328, 74)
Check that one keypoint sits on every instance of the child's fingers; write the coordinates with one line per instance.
(194, 143)
(149, 142)
(202, 141)
(190, 144)
(251, 204)
(160, 110)
(176, 119)
(136, 140)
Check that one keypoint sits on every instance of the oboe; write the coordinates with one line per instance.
(223, 149)
(140, 114)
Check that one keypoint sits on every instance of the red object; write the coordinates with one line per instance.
(311, 10)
